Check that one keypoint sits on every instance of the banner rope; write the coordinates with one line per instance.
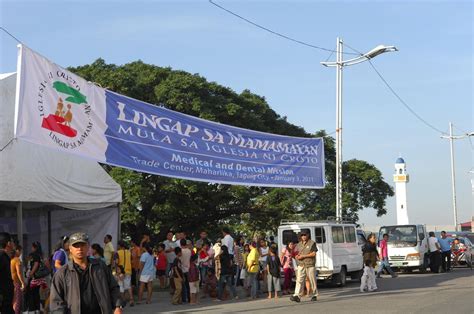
(9, 34)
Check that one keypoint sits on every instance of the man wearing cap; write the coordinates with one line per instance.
(84, 285)
(306, 260)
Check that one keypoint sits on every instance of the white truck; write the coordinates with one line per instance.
(406, 246)
(339, 254)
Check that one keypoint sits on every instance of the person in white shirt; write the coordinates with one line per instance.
(170, 245)
(185, 261)
(424, 252)
(179, 236)
(435, 253)
(228, 241)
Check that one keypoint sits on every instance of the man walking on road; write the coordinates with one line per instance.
(384, 258)
(306, 260)
(445, 244)
(84, 285)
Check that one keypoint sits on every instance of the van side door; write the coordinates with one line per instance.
(322, 256)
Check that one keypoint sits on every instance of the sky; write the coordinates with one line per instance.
(432, 71)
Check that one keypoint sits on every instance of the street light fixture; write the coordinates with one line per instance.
(339, 64)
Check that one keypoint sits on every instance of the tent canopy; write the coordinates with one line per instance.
(31, 173)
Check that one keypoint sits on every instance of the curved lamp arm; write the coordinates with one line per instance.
(363, 57)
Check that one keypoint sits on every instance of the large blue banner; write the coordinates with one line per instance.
(60, 110)
(157, 140)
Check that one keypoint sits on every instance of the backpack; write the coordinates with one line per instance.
(42, 271)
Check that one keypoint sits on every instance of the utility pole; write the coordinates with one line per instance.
(339, 64)
(339, 130)
(453, 176)
(452, 137)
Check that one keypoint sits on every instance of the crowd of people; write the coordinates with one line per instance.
(82, 278)
(96, 278)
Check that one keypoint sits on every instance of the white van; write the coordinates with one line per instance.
(339, 254)
(406, 246)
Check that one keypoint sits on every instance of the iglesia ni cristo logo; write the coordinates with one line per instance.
(69, 117)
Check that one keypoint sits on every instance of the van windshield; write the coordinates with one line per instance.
(400, 235)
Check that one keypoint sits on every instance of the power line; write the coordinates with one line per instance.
(467, 135)
(463, 131)
(413, 112)
(8, 33)
(274, 32)
(329, 57)
(403, 102)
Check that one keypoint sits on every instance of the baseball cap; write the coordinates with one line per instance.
(78, 237)
(303, 232)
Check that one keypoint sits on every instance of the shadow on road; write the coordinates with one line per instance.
(403, 285)
(404, 282)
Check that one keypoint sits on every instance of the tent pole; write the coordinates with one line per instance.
(49, 230)
(19, 222)
(119, 222)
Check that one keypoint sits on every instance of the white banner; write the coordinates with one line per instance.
(57, 108)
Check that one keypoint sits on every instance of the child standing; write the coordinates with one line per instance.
(161, 265)
(210, 283)
(193, 277)
(177, 275)
(120, 277)
(273, 270)
(287, 258)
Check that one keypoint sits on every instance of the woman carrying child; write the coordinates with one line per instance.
(367, 282)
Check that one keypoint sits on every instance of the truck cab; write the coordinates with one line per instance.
(406, 246)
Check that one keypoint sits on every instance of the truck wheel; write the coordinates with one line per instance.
(340, 279)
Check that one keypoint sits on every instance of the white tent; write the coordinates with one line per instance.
(38, 181)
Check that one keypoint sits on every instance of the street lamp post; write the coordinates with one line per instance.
(339, 64)
(452, 137)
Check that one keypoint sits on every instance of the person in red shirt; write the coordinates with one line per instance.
(161, 264)
(204, 261)
(384, 258)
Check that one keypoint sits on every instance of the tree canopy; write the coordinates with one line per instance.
(158, 204)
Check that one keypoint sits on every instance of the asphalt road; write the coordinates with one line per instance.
(409, 293)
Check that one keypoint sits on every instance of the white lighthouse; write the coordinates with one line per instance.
(401, 179)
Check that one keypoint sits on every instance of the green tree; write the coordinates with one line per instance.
(157, 204)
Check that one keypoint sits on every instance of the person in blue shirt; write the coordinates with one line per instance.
(147, 273)
(61, 254)
(445, 244)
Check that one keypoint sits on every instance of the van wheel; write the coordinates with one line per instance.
(340, 279)
(357, 275)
